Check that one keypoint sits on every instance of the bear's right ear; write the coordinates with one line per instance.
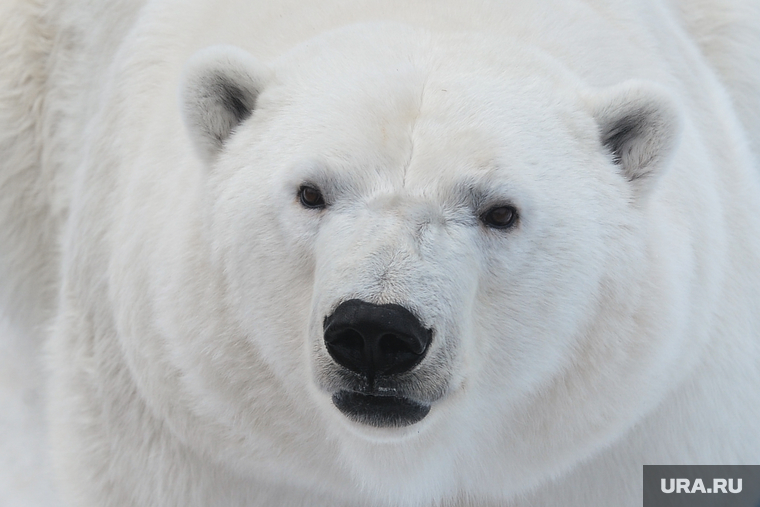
(639, 126)
(219, 90)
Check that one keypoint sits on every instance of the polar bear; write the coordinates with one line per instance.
(377, 253)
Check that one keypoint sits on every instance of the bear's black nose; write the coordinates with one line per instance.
(375, 339)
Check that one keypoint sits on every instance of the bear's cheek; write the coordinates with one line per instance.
(261, 251)
(534, 300)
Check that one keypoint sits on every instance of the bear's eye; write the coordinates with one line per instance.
(310, 197)
(500, 217)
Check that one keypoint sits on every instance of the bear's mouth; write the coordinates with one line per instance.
(379, 411)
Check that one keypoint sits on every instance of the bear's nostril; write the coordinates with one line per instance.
(347, 347)
(391, 344)
(375, 339)
(349, 339)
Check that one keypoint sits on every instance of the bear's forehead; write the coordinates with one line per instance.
(433, 123)
(401, 107)
(385, 80)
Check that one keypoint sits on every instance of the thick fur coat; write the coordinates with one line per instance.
(564, 195)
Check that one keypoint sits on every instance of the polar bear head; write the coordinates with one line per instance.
(437, 248)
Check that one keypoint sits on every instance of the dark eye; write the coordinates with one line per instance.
(310, 197)
(500, 217)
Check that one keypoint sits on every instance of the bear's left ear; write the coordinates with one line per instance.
(219, 89)
(640, 125)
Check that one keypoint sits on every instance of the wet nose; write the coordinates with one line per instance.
(375, 339)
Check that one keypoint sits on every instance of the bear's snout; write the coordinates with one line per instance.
(375, 340)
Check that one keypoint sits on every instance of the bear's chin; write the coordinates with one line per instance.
(379, 411)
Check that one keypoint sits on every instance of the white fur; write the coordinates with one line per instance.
(616, 325)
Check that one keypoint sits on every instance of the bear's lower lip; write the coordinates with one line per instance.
(379, 411)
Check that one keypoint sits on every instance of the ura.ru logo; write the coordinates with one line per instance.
(686, 486)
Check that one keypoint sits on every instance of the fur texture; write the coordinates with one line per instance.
(152, 157)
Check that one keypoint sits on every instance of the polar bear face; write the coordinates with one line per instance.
(417, 240)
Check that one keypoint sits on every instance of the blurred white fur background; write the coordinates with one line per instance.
(25, 476)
